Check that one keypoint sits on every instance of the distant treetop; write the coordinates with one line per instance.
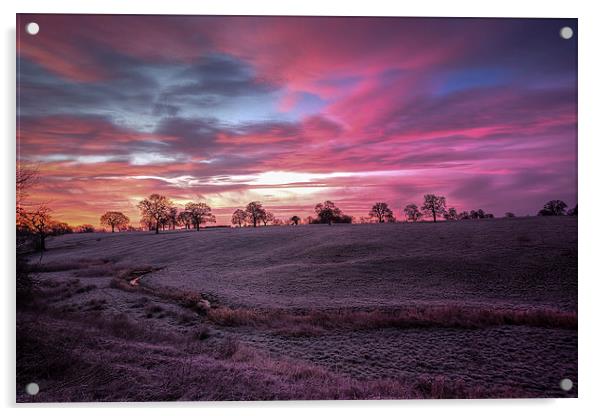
(555, 207)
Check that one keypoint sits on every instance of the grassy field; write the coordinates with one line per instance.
(480, 308)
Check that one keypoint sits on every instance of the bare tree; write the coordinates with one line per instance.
(26, 177)
(268, 217)
(464, 215)
(295, 219)
(412, 212)
(478, 214)
(434, 206)
(155, 207)
(41, 224)
(200, 213)
(147, 223)
(474, 215)
(239, 217)
(555, 207)
(184, 219)
(255, 212)
(451, 214)
(60, 228)
(114, 219)
(85, 228)
(172, 218)
(164, 222)
(382, 212)
(327, 212)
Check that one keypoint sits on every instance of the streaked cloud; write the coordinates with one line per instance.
(233, 109)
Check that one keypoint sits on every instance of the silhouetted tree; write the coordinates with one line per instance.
(85, 228)
(255, 212)
(239, 217)
(156, 207)
(267, 217)
(475, 215)
(114, 219)
(343, 219)
(327, 212)
(451, 214)
(164, 221)
(555, 207)
(26, 177)
(211, 219)
(572, 212)
(464, 215)
(172, 218)
(382, 212)
(22, 222)
(41, 224)
(184, 219)
(295, 220)
(147, 223)
(412, 212)
(509, 215)
(434, 206)
(60, 228)
(200, 213)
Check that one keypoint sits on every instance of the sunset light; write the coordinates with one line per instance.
(375, 110)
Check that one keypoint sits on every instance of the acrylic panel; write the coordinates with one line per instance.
(295, 208)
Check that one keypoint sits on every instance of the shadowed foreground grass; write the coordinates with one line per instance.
(97, 358)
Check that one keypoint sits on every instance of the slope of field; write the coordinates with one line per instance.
(462, 309)
(518, 262)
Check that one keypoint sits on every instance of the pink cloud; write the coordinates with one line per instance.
(457, 107)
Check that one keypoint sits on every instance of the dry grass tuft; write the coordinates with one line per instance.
(312, 323)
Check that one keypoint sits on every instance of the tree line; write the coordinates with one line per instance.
(435, 207)
(158, 212)
(255, 214)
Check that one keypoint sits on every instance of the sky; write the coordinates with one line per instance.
(292, 111)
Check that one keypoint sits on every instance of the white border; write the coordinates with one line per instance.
(590, 199)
